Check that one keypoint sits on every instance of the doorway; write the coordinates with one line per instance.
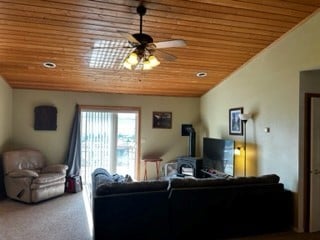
(314, 225)
(312, 163)
(109, 140)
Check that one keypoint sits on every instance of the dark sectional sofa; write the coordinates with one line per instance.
(178, 208)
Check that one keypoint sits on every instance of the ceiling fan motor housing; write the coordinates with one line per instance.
(143, 38)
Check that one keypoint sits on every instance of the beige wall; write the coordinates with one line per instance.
(268, 87)
(5, 115)
(168, 143)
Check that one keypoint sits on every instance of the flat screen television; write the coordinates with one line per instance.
(218, 154)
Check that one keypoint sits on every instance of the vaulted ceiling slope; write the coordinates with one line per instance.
(82, 39)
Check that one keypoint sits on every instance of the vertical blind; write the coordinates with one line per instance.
(108, 140)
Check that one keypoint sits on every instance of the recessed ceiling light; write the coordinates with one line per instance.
(201, 74)
(49, 65)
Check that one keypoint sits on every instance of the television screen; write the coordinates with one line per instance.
(218, 154)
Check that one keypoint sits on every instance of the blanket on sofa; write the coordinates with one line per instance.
(106, 183)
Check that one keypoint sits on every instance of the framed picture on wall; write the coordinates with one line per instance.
(161, 119)
(235, 124)
(45, 118)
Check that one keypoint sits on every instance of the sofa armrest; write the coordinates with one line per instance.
(55, 168)
(23, 173)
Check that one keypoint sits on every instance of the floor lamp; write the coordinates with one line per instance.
(244, 117)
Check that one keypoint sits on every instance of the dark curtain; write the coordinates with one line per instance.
(73, 159)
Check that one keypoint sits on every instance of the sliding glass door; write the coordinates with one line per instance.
(109, 139)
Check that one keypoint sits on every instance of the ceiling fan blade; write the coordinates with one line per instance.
(166, 56)
(171, 43)
(129, 37)
(116, 47)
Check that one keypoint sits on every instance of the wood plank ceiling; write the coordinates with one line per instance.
(221, 35)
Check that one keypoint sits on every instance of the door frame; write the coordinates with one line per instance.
(124, 109)
(306, 160)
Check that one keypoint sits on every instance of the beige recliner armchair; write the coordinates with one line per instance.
(28, 178)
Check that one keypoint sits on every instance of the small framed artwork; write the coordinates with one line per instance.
(235, 124)
(161, 119)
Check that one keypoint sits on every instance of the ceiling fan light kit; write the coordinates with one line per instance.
(153, 61)
(134, 58)
(144, 47)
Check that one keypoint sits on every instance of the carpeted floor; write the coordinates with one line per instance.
(69, 218)
(61, 218)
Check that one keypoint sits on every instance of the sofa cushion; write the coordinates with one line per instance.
(127, 187)
(207, 182)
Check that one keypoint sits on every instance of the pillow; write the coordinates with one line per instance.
(127, 187)
(23, 173)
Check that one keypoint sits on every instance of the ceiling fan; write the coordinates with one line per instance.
(144, 48)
